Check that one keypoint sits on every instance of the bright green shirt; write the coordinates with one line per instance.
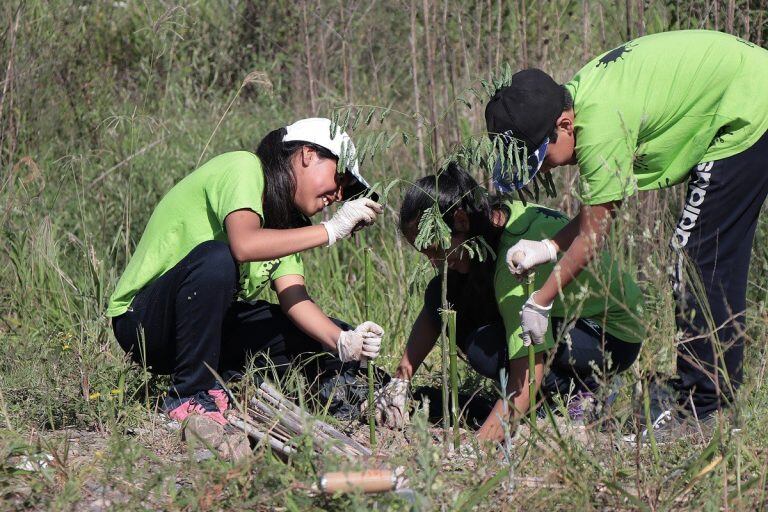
(193, 212)
(601, 293)
(651, 109)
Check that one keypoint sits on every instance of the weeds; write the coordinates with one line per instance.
(105, 105)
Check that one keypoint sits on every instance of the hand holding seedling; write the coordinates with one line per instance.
(363, 342)
(351, 216)
(531, 315)
(391, 403)
(528, 254)
(534, 318)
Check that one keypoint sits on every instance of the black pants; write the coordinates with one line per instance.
(585, 347)
(189, 316)
(585, 357)
(713, 245)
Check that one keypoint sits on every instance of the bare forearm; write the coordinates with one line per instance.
(420, 342)
(564, 238)
(269, 244)
(311, 320)
(594, 225)
(575, 259)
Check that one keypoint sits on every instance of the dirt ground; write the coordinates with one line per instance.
(82, 457)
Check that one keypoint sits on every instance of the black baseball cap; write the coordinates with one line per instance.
(527, 108)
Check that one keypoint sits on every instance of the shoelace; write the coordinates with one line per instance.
(204, 401)
(663, 419)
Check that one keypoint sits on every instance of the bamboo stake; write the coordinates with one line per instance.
(267, 390)
(287, 425)
(444, 357)
(530, 284)
(529, 289)
(366, 313)
(259, 436)
(451, 318)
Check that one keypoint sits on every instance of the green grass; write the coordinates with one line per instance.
(110, 103)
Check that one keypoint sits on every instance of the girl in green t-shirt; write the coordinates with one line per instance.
(599, 330)
(187, 299)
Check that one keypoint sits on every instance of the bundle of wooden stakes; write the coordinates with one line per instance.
(272, 419)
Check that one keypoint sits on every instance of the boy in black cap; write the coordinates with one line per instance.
(650, 114)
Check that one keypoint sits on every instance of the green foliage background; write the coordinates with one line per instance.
(106, 104)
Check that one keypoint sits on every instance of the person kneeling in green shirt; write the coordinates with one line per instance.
(650, 114)
(599, 329)
(188, 297)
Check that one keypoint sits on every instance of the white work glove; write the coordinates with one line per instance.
(363, 342)
(390, 403)
(527, 254)
(358, 212)
(534, 321)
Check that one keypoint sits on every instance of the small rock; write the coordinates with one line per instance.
(235, 447)
(203, 454)
(200, 429)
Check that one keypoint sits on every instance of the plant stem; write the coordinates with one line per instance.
(529, 289)
(444, 353)
(451, 320)
(649, 420)
(368, 284)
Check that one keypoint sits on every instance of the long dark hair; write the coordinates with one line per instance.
(453, 188)
(275, 155)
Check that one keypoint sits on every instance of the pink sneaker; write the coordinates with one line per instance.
(202, 404)
(221, 398)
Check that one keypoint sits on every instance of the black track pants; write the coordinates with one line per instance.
(189, 316)
(713, 245)
(584, 348)
(585, 358)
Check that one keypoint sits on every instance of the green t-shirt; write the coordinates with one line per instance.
(651, 109)
(601, 293)
(193, 212)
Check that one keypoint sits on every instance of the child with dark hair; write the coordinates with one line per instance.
(598, 329)
(188, 297)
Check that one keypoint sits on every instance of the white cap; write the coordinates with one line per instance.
(320, 131)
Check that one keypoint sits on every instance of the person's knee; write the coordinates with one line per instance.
(216, 265)
(486, 365)
(626, 357)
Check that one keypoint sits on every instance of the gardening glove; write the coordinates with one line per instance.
(352, 214)
(534, 321)
(363, 342)
(527, 254)
(390, 403)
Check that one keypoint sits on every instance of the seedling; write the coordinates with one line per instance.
(451, 320)
(530, 283)
(368, 276)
